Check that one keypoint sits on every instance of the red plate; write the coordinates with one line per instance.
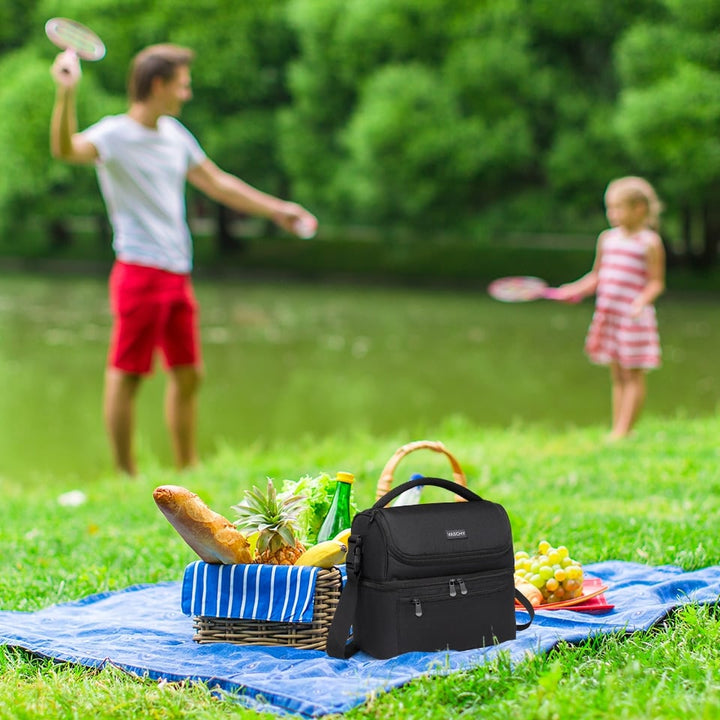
(592, 599)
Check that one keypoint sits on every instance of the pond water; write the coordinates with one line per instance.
(285, 361)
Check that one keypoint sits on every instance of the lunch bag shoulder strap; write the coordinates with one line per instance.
(338, 643)
(528, 607)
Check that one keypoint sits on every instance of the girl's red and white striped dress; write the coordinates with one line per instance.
(615, 336)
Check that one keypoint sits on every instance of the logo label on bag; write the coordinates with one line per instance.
(459, 534)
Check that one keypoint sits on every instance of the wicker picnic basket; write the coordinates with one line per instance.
(386, 476)
(313, 635)
(328, 587)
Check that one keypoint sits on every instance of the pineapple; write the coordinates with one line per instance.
(274, 520)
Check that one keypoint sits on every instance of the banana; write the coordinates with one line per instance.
(343, 536)
(324, 554)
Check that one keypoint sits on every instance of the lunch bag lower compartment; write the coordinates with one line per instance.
(456, 612)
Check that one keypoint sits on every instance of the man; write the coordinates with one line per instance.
(144, 158)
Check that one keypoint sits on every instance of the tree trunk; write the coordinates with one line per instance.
(687, 232)
(226, 243)
(701, 227)
(60, 236)
(711, 234)
(104, 232)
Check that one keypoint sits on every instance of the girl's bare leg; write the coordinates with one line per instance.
(616, 381)
(639, 390)
(630, 400)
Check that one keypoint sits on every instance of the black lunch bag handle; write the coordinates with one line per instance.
(453, 487)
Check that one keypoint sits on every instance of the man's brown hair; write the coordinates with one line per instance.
(155, 61)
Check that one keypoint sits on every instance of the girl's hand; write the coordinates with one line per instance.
(567, 293)
(636, 309)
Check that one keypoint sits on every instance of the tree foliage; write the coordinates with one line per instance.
(668, 111)
(419, 113)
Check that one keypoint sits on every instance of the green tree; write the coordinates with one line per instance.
(382, 125)
(428, 111)
(35, 190)
(242, 51)
(500, 114)
(668, 114)
(16, 23)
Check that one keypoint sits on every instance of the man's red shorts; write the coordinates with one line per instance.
(152, 308)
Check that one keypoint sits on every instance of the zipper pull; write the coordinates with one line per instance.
(463, 589)
(453, 592)
(418, 607)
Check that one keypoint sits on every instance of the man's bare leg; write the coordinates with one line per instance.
(181, 413)
(119, 411)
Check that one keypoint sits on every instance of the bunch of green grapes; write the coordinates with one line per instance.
(552, 571)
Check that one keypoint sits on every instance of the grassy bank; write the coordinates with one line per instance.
(654, 499)
(452, 260)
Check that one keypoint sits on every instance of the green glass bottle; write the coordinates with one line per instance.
(338, 516)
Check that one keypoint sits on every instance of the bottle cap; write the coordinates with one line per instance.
(345, 477)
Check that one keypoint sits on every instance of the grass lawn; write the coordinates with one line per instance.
(653, 499)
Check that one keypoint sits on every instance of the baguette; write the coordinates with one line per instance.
(214, 538)
(532, 593)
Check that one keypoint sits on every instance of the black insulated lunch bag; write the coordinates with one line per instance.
(427, 577)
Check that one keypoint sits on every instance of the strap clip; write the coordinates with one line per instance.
(353, 561)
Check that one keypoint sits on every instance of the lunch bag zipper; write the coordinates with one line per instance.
(452, 592)
(408, 583)
(460, 583)
(418, 607)
(425, 559)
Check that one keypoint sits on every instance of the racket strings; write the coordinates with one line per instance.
(80, 39)
(517, 289)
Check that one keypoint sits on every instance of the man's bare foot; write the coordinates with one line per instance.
(615, 436)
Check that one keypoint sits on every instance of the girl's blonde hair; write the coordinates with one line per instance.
(636, 189)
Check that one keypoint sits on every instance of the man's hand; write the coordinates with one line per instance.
(66, 70)
(296, 219)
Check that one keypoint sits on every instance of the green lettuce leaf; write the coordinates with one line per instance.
(318, 493)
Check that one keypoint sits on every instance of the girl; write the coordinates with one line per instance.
(627, 276)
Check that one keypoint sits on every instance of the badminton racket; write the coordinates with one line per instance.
(76, 38)
(522, 288)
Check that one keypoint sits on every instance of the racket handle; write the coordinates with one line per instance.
(552, 293)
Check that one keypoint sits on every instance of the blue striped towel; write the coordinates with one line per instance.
(282, 593)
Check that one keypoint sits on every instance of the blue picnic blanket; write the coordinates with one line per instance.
(143, 630)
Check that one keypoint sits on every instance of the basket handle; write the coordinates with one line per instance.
(386, 476)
